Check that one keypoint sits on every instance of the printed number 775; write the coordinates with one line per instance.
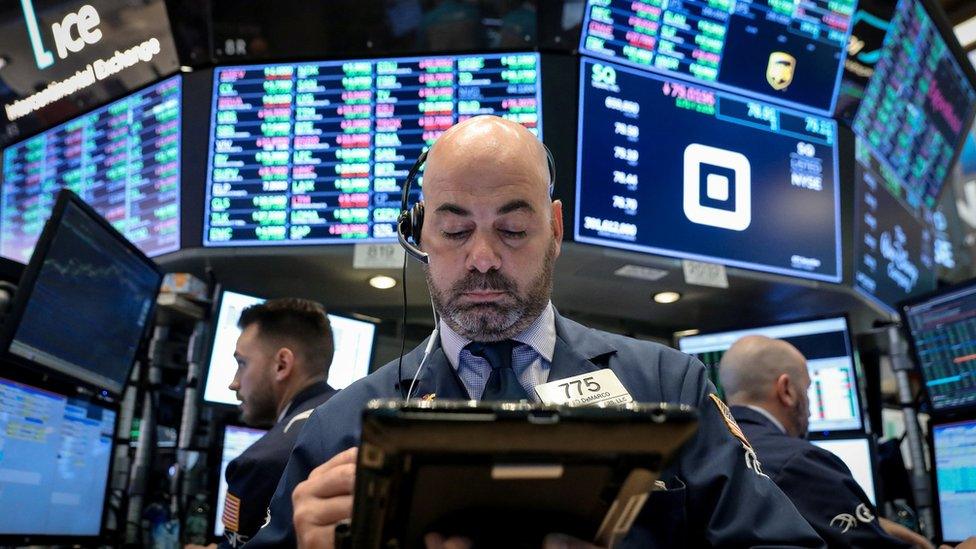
(591, 386)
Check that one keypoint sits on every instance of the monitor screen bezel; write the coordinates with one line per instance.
(934, 474)
(903, 311)
(28, 280)
(215, 315)
(822, 435)
(68, 390)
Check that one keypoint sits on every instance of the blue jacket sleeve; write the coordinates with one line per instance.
(716, 490)
(834, 503)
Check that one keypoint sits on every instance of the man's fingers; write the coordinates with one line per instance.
(322, 537)
(349, 456)
(314, 513)
(437, 541)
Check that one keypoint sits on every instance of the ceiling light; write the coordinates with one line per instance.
(667, 297)
(382, 282)
(686, 333)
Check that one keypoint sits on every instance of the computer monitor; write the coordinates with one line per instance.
(835, 403)
(894, 243)
(55, 454)
(314, 153)
(776, 51)
(352, 340)
(857, 455)
(920, 101)
(123, 159)
(869, 28)
(954, 464)
(669, 168)
(85, 300)
(942, 333)
(236, 440)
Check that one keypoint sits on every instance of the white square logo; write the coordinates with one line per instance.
(700, 158)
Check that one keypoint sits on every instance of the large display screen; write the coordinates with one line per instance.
(674, 169)
(856, 454)
(869, 27)
(918, 105)
(352, 342)
(85, 311)
(943, 333)
(236, 440)
(826, 344)
(122, 159)
(894, 249)
(955, 473)
(314, 153)
(54, 462)
(784, 51)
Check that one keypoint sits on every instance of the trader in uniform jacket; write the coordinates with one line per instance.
(492, 233)
(766, 383)
(283, 356)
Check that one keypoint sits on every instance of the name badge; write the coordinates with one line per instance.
(601, 386)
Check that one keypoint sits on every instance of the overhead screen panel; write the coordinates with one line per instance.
(918, 104)
(352, 341)
(955, 473)
(789, 52)
(122, 159)
(894, 244)
(668, 168)
(943, 333)
(834, 399)
(314, 153)
(55, 460)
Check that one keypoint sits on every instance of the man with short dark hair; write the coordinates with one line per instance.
(766, 383)
(283, 357)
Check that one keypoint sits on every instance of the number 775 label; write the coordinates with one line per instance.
(601, 386)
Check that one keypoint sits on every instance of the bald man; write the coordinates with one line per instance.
(493, 234)
(766, 383)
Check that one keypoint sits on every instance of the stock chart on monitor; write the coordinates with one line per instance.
(669, 168)
(122, 159)
(314, 153)
(833, 394)
(894, 244)
(943, 333)
(918, 104)
(786, 51)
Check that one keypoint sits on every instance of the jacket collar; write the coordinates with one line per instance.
(576, 348)
(316, 389)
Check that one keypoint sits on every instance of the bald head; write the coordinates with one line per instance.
(750, 368)
(502, 150)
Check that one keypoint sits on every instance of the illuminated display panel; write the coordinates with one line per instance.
(780, 50)
(679, 170)
(894, 244)
(918, 104)
(315, 153)
(122, 159)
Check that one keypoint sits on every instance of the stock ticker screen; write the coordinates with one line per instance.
(123, 159)
(943, 333)
(895, 245)
(315, 153)
(669, 168)
(917, 106)
(781, 50)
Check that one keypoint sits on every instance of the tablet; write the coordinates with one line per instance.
(487, 470)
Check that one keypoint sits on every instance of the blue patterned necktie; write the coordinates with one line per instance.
(502, 384)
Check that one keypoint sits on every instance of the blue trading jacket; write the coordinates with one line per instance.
(818, 482)
(715, 496)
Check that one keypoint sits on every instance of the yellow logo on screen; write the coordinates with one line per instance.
(779, 72)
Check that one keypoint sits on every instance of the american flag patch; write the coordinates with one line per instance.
(730, 421)
(232, 511)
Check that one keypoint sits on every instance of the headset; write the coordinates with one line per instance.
(410, 223)
(411, 220)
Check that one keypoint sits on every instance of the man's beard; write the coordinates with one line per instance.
(494, 321)
(261, 409)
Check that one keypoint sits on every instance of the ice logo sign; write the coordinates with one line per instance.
(71, 34)
(717, 187)
(901, 270)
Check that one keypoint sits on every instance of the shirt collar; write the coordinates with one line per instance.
(768, 416)
(540, 335)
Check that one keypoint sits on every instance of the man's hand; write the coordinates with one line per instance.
(904, 534)
(192, 546)
(324, 499)
(552, 541)
(970, 543)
